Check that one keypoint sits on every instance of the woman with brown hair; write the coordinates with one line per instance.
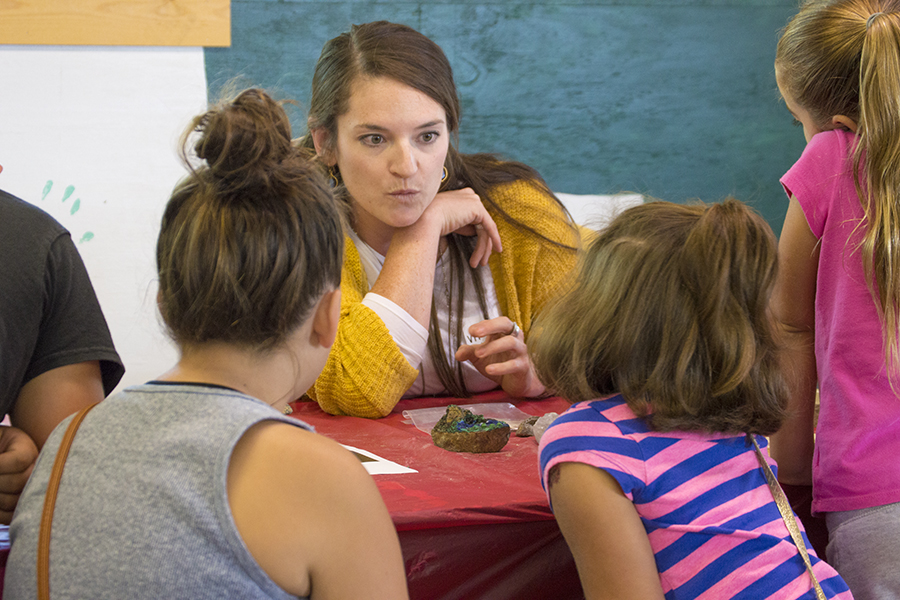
(448, 256)
(196, 485)
(667, 346)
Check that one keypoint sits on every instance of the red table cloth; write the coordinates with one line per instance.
(470, 525)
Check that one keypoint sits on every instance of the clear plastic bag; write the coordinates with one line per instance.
(425, 418)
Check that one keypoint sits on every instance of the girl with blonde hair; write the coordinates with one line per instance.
(838, 70)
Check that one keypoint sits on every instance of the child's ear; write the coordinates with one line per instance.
(843, 121)
(325, 320)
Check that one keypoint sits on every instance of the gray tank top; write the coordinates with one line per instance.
(142, 510)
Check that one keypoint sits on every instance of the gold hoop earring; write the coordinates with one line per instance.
(333, 178)
(444, 175)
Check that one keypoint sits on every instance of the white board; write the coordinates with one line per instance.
(597, 211)
(90, 135)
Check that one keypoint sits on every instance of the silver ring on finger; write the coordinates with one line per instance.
(515, 330)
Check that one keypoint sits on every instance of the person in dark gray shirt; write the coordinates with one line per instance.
(56, 352)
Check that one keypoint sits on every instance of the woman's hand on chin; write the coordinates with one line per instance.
(461, 211)
(503, 357)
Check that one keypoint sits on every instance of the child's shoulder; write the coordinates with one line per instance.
(838, 143)
(612, 410)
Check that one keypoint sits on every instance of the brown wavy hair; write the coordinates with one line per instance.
(251, 238)
(842, 57)
(384, 49)
(670, 309)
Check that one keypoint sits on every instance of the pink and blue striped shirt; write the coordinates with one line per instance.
(703, 499)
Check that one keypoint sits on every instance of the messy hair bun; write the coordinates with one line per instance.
(251, 238)
(244, 139)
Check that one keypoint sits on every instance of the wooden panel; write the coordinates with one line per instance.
(116, 22)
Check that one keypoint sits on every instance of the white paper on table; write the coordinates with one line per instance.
(377, 465)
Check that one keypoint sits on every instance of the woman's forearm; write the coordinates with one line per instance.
(407, 277)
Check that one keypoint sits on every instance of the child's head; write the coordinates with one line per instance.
(670, 309)
(820, 52)
(838, 64)
(251, 239)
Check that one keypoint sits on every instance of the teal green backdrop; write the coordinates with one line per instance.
(675, 99)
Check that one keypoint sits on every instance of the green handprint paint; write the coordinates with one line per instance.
(76, 206)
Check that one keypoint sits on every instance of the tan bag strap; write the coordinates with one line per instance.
(43, 557)
(784, 507)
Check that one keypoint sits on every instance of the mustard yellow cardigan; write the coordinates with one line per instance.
(366, 374)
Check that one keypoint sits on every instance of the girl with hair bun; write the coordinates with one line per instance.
(196, 485)
(448, 256)
(837, 66)
(667, 347)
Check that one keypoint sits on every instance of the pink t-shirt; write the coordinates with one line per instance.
(709, 514)
(855, 464)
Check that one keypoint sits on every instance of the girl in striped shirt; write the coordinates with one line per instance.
(667, 346)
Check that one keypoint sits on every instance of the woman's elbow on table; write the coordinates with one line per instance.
(356, 391)
(352, 402)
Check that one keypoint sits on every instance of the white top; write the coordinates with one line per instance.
(412, 338)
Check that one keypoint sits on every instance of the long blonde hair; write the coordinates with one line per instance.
(842, 57)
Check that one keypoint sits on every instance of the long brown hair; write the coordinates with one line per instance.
(842, 57)
(251, 238)
(670, 308)
(384, 49)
